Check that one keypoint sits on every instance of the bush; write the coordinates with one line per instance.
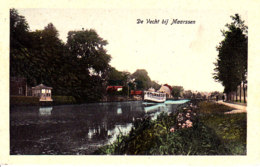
(212, 133)
(149, 137)
(63, 100)
(230, 128)
(24, 100)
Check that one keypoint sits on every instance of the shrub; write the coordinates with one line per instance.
(24, 100)
(63, 100)
(211, 133)
(163, 136)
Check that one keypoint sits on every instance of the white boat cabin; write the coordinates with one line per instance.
(154, 96)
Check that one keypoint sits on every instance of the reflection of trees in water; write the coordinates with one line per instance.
(66, 129)
(116, 117)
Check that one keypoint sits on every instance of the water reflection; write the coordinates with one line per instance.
(119, 129)
(119, 111)
(156, 107)
(74, 129)
(45, 111)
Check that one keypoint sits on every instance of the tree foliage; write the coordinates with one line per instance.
(142, 79)
(187, 94)
(78, 68)
(177, 91)
(231, 64)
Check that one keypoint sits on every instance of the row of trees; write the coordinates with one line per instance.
(77, 68)
(139, 80)
(80, 67)
(231, 65)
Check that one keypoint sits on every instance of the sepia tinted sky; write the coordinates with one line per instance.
(176, 54)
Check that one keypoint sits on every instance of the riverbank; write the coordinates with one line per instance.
(62, 100)
(198, 128)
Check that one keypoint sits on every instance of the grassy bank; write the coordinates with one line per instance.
(202, 130)
(35, 101)
(230, 128)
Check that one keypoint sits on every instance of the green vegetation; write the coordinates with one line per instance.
(211, 133)
(212, 108)
(24, 100)
(76, 68)
(63, 100)
(177, 91)
(231, 65)
(230, 128)
(79, 68)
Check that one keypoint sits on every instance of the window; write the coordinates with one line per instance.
(20, 91)
(43, 91)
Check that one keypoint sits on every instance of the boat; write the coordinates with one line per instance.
(156, 97)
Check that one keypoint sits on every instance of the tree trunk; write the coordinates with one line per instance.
(236, 95)
(244, 92)
(229, 96)
(240, 92)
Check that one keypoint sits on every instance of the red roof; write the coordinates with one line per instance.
(168, 86)
(137, 92)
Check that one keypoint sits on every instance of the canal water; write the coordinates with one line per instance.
(76, 129)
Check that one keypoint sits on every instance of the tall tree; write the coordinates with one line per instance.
(79, 68)
(90, 62)
(155, 85)
(47, 55)
(142, 79)
(231, 65)
(19, 44)
(177, 91)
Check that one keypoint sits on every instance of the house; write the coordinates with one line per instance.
(137, 94)
(111, 89)
(166, 89)
(19, 87)
(151, 90)
(43, 92)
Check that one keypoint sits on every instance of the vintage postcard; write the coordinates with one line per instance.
(171, 83)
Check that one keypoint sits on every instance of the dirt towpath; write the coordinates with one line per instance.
(238, 108)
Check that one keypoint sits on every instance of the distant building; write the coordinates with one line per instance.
(136, 92)
(43, 92)
(151, 90)
(111, 89)
(166, 89)
(19, 87)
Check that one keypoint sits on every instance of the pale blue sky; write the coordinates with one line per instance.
(174, 54)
